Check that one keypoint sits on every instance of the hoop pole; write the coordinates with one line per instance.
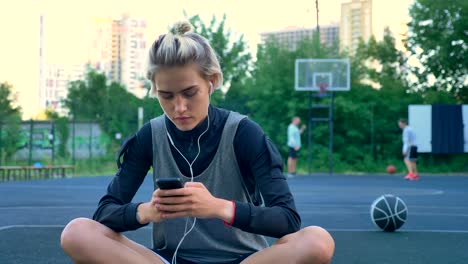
(330, 132)
(309, 134)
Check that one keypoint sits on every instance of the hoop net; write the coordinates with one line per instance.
(322, 89)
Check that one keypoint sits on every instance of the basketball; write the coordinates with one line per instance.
(388, 212)
(391, 169)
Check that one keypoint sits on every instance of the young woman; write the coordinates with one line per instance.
(234, 192)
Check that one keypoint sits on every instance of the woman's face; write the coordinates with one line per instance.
(183, 95)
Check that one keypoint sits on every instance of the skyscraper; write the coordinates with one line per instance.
(118, 50)
(291, 36)
(355, 24)
(129, 53)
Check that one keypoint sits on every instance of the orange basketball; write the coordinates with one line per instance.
(391, 169)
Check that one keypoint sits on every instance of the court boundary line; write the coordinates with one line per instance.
(318, 212)
(2, 228)
(46, 206)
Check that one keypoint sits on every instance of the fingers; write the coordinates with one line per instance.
(172, 192)
(195, 185)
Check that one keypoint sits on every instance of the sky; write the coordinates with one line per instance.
(68, 27)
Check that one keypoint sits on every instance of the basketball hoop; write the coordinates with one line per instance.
(322, 89)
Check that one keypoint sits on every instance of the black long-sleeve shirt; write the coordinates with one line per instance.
(259, 161)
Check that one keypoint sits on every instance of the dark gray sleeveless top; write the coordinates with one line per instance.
(210, 241)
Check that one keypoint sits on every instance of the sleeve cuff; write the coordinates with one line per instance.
(130, 219)
(241, 215)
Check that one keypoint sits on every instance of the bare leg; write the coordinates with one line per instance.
(293, 165)
(409, 167)
(87, 241)
(311, 245)
(414, 167)
(290, 161)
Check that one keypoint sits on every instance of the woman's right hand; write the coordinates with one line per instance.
(148, 212)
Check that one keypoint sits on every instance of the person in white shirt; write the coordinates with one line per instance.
(294, 144)
(410, 150)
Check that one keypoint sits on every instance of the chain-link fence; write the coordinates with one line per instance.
(48, 143)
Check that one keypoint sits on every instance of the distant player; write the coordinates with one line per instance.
(294, 144)
(410, 150)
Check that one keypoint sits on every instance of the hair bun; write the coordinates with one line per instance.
(179, 28)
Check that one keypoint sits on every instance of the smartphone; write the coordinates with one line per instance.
(169, 183)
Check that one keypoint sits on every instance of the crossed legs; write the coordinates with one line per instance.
(87, 241)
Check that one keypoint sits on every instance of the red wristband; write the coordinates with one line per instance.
(233, 215)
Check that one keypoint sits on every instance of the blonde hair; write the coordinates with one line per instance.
(179, 47)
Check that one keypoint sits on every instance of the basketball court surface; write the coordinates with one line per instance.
(34, 213)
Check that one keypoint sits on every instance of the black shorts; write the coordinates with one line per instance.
(412, 153)
(167, 255)
(293, 153)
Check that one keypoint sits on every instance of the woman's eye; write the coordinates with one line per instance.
(166, 96)
(189, 94)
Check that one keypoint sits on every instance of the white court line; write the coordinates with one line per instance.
(44, 207)
(401, 230)
(328, 229)
(368, 206)
(29, 226)
(339, 212)
(61, 187)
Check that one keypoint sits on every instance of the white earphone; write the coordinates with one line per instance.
(190, 164)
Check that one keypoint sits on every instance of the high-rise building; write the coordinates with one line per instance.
(329, 34)
(100, 54)
(57, 78)
(129, 54)
(117, 49)
(355, 24)
(291, 36)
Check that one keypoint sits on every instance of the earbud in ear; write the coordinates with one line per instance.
(211, 87)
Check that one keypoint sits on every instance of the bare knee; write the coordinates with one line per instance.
(316, 244)
(75, 234)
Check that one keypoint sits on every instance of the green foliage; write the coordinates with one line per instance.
(10, 120)
(62, 131)
(112, 106)
(272, 98)
(366, 135)
(437, 37)
(234, 58)
(7, 101)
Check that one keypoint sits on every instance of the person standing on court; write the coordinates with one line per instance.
(410, 150)
(294, 144)
(234, 192)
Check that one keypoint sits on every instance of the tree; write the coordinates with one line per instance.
(86, 98)
(272, 99)
(368, 115)
(437, 38)
(62, 131)
(234, 58)
(110, 105)
(10, 120)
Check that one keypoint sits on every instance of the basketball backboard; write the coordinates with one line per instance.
(322, 74)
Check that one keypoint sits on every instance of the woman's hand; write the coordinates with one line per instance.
(193, 200)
